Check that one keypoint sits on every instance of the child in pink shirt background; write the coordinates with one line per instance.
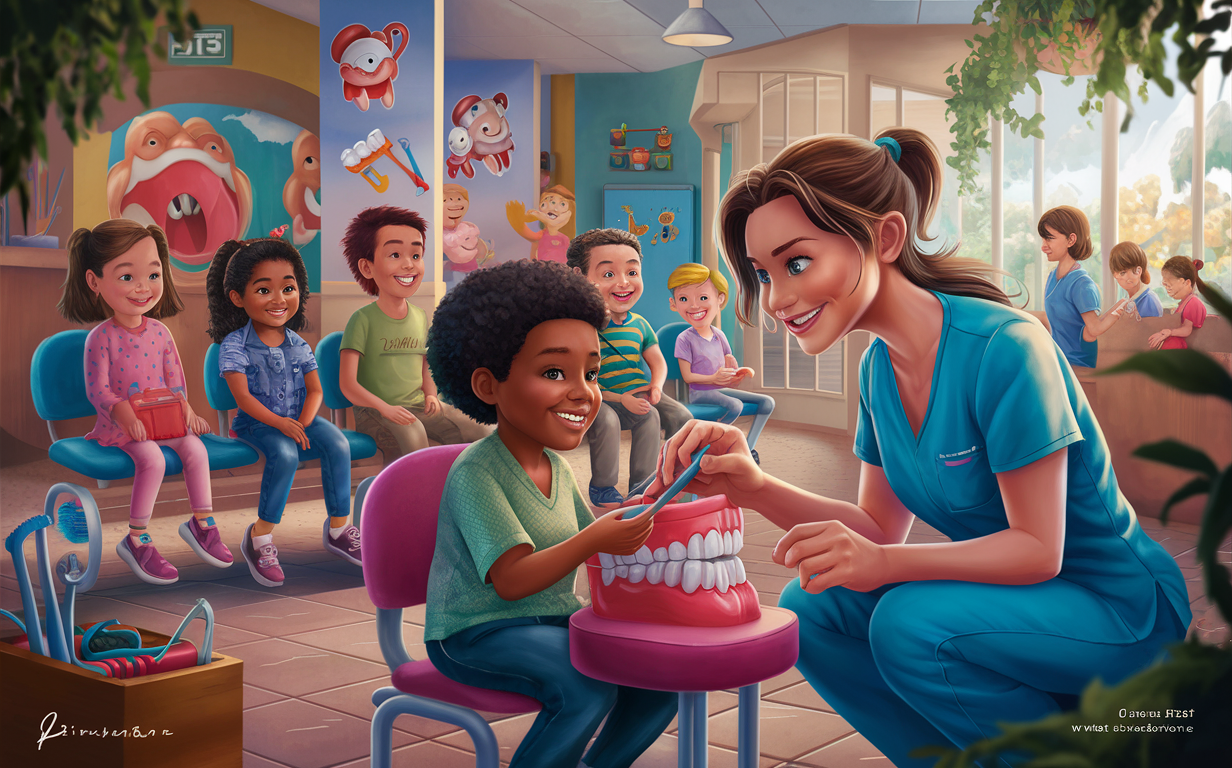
(119, 273)
(1180, 278)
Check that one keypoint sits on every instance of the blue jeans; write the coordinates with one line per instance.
(733, 400)
(943, 662)
(530, 656)
(282, 456)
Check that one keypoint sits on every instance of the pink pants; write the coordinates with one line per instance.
(151, 467)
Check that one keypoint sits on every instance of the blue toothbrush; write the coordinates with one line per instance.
(15, 544)
(71, 519)
(676, 487)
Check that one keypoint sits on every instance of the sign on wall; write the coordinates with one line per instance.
(208, 46)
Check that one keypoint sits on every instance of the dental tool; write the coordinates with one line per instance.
(361, 157)
(15, 544)
(676, 487)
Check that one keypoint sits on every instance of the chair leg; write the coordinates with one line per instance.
(684, 732)
(487, 752)
(749, 745)
(700, 736)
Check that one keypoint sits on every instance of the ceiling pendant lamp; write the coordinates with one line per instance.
(696, 27)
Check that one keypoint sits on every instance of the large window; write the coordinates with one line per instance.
(794, 106)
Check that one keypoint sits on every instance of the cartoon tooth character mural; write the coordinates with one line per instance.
(366, 64)
(299, 195)
(667, 230)
(688, 572)
(481, 132)
(184, 179)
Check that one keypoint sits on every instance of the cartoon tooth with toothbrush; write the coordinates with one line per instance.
(361, 158)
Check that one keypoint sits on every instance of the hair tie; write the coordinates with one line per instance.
(1197, 264)
(891, 144)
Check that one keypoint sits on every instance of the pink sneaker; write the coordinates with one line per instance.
(145, 561)
(206, 542)
(345, 546)
(263, 562)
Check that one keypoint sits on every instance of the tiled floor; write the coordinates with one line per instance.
(311, 659)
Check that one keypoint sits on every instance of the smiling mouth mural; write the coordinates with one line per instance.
(688, 572)
(184, 179)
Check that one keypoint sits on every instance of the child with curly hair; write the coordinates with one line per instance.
(513, 525)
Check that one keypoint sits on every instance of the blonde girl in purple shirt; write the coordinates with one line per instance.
(119, 273)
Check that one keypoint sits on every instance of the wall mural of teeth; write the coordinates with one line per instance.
(688, 572)
(208, 173)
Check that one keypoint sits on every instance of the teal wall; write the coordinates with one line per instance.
(641, 100)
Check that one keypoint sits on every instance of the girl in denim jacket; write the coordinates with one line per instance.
(257, 291)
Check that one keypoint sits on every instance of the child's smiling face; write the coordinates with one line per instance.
(397, 263)
(271, 297)
(1056, 246)
(697, 304)
(551, 394)
(131, 283)
(616, 270)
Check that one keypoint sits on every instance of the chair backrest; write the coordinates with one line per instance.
(216, 390)
(400, 514)
(667, 345)
(58, 379)
(329, 360)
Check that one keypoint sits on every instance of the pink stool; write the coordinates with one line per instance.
(691, 661)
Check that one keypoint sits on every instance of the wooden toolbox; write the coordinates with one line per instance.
(189, 717)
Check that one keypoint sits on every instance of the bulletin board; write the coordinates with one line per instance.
(661, 216)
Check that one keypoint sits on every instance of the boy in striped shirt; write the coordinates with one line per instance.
(612, 260)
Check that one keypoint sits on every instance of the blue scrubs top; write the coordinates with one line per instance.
(1002, 397)
(1064, 302)
(1149, 304)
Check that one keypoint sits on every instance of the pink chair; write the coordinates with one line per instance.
(691, 661)
(399, 528)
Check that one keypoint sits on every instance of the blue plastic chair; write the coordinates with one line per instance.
(704, 411)
(58, 383)
(221, 400)
(329, 362)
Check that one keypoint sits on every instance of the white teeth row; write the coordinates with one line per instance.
(699, 547)
(351, 156)
(578, 419)
(806, 318)
(720, 574)
(183, 205)
(410, 280)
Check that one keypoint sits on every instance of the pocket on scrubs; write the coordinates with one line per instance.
(967, 480)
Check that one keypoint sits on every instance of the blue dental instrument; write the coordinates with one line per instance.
(676, 487)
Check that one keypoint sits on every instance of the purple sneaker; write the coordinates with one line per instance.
(145, 561)
(206, 542)
(345, 546)
(263, 562)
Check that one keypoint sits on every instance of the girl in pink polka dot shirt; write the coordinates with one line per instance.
(119, 273)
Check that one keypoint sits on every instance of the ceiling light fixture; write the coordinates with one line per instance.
(696, 27)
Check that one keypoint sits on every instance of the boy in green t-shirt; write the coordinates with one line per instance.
(612, 260)
(384, 370)
(513, 526)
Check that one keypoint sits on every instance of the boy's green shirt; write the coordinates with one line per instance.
(391, 366)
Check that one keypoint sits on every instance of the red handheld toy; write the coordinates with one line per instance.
(161, 411)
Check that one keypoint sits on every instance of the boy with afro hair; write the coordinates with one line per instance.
(384, 371)
(513, 526)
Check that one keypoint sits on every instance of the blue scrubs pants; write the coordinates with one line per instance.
(942, 662)
(530, 656)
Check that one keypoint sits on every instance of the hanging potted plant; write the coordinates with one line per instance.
(1072, 37)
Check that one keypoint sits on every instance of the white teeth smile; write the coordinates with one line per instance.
(698, 315)
(575, 418)
(405, 280)
(707, 562)
(805, 318)
(183, 205)
(622, 296)
(277, 312)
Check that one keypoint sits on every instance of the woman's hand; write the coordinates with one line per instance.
(126, 418)
(399, 415)
(1157, 339)
(294, 430)
(432, 404)
(727, 468)
(829, 554)
(615, 536)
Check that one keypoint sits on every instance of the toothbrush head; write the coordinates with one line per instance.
(14, 540)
